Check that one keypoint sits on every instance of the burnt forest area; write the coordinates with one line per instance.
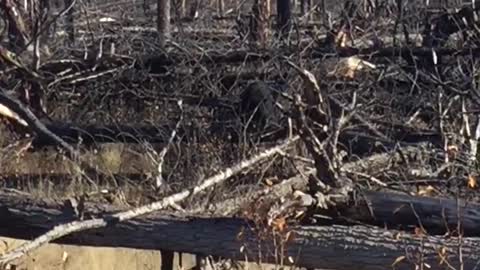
(304, 133)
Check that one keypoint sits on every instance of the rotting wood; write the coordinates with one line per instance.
(327, 247)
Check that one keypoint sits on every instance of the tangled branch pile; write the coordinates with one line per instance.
(361, 114)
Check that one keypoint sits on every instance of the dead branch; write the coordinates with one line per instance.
(159, 158)
(34, 123)
(331, 247)
(109, 220)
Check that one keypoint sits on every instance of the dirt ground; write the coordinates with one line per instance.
(66, 257)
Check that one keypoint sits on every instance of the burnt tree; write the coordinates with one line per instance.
(163, 21)
(69, 22)
(17, 27)
(283, 17)
(220, 7)
(328, 247)
(261, 14)
(305, 7)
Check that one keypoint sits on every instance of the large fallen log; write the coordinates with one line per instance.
(395, 210)
(332, 247)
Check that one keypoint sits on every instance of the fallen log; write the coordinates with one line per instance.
(396, 210)
(76, 209)
(327, 247)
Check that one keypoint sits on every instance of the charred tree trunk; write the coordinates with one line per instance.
(305, 7)
(70, 23)
(261, 14)
(179, 9)
(194, 9)
(220, 7)
(17, 28)
(146, 6)
(167, 260)
(26, 21)
(183, 8)
(283, 17)
(163, 21)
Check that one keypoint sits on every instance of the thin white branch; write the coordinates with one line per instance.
(77, 226)
(159, 181)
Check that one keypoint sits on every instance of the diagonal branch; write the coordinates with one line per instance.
(35, 124)
(109, 220)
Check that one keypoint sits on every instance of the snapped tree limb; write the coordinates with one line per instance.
(110, 220)
(327, 247)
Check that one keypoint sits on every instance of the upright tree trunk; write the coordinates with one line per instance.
(183, 8)
(179, 9)
(146, 6)
(305, 6)
(194, 9)
(261, 14)
(70, 23)
(167, 260)
(17, 25)
(220, 7)
(283, 17)
(163, 21)
(25, 21)
(310, 6)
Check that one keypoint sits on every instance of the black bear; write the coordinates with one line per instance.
(257, 106)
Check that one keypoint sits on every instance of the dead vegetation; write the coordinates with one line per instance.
(278, 127)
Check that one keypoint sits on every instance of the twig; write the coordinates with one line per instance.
(160, 158)
(369, 177)
(467, 134)
(442, 127)
(475, 140)
(78, 226)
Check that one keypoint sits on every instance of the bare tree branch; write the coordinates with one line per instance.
(34, 123)
(77, 226)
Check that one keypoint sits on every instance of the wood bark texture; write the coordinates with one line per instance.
(327, 247)
(261, 14)
(163, 21)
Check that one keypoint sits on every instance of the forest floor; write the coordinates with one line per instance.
(52, 257)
